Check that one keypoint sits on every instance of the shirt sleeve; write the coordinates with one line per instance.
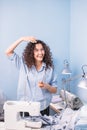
(15, 59)
(54, 81)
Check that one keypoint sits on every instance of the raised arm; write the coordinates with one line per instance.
(12, 47)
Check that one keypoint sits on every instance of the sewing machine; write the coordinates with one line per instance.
(14, 121)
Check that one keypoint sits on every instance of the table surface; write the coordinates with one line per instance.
(2, 127)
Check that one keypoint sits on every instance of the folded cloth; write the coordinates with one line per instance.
(81, 127)
(81, 124)
(81, 121)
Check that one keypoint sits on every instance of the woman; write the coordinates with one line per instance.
(37, 81)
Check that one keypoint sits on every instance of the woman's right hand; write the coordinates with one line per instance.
(29, 39)
(41, 84)
(11, 48)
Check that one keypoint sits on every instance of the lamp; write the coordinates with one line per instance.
(83, 82)
(67, 72)
(66, 69)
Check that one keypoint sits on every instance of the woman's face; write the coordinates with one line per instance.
(39, 52)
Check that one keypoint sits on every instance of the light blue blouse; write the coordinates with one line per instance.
(28, 88)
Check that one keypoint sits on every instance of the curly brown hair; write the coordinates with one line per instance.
(28, 54)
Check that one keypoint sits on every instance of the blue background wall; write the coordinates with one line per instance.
(62, 24)
(48, 20)
(78, 43)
